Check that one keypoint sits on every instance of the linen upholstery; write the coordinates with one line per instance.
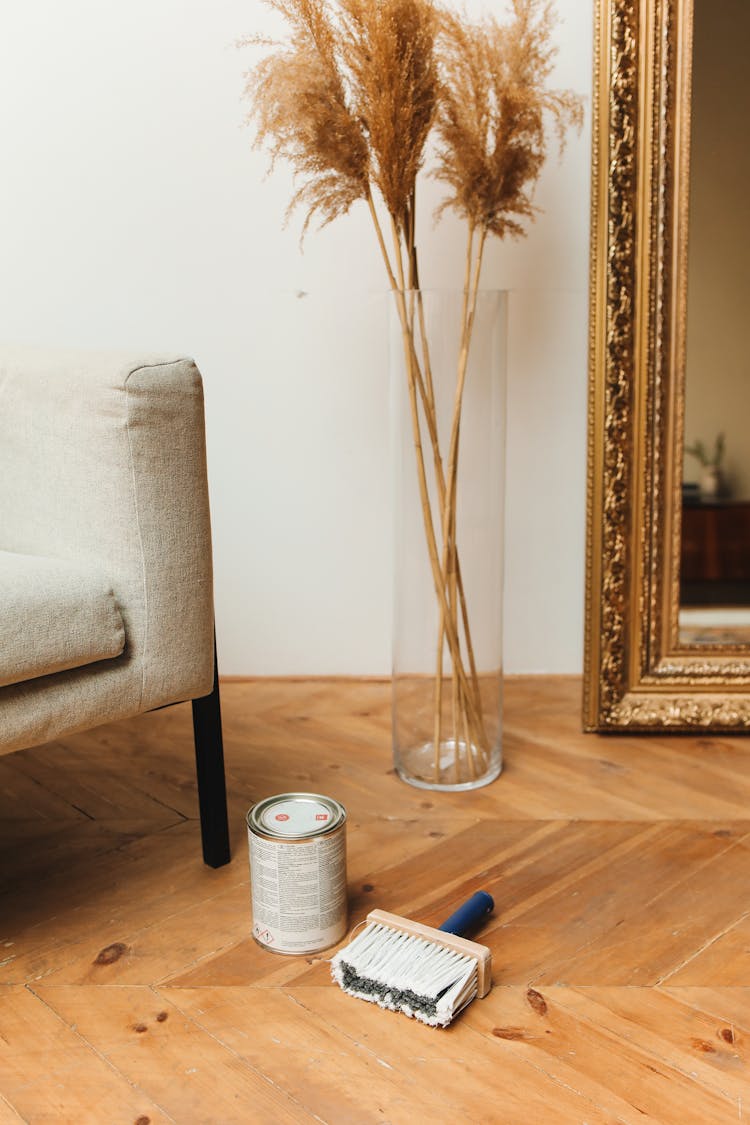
(102, 463)
(56, 615)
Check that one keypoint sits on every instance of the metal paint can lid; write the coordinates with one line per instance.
(296, 816)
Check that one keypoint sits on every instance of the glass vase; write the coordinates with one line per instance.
(447, 357)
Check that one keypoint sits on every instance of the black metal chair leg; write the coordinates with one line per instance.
(209, 761)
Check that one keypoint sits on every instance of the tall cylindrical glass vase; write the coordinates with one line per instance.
(447, 354)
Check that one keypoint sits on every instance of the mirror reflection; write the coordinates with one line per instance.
(715, 552)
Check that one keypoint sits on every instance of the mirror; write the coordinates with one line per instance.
(667, 641)
(715, 541)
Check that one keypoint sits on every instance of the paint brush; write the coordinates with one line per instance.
(430, 974)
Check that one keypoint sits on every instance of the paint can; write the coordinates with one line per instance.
(298, 872)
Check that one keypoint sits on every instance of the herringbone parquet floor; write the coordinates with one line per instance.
(131, 991)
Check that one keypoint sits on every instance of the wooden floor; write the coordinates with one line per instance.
(131, 991)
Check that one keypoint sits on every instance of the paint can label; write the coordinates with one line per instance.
(298, 872)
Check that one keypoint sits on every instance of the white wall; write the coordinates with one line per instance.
(134, 213)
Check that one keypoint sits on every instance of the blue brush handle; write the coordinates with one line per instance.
(469, 915)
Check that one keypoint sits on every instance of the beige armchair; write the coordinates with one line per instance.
(106, 599)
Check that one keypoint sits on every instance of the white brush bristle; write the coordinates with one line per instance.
(406, 974)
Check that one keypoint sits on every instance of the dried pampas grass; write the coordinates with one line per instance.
(350, 99)
(301, 106)
(492, 114)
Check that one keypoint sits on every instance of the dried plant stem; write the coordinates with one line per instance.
(449, 559)
(469, 754)
(448, 584)
(426, 391)
(466, 695)
(438, 579)
(424, 387)
(481, 748)
(381, 240)
(467, 698)
(450, 554)
(441, 490)
(399, 266)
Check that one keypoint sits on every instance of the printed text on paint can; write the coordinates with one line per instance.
(299, 893)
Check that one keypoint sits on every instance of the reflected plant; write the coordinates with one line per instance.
(705, 459)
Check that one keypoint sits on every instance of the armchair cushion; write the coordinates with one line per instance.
(56, 614)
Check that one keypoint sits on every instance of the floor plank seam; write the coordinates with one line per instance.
(133, 838)
(203, 959)
(666, 754)
(674, 991)
(572, 957)
(82, 811)
(617, 851)
(538, 1067)
(62, 963)
(4, 1102)
(45, 787)
(357, 1043)
(170, 808)
(240, 1059)
(135, 1086)
(707, 945)
(638, 1048)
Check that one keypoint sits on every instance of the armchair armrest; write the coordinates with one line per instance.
(102, 459)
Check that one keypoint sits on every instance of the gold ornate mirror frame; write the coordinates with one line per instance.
(637, 675)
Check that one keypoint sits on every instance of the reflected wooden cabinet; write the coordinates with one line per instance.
(715, 558)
